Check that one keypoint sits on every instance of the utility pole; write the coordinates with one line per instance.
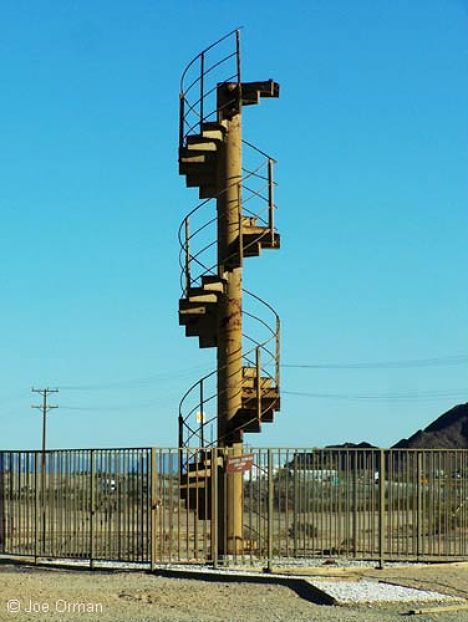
(44, 407)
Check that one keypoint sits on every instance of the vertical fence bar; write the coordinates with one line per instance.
(419, 518)
(354, 464)
(381, 508)
(91, 508)
(36, 506)
(214, 506)
(270, 510)
(154, 507)
(43, 501)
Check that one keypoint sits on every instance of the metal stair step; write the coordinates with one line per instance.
(202, 473)
(186, 304)
(247, 420)
(198, 294)
(200, 310)
(199, 143)
(265, 383)
(213, 130)
(208, 191)
(194, 171)
(262, 236)
(196, 483)
(248, 221)
(191, 156)
(210, 341)
(213, 283)
(201, 178)
(204, 330)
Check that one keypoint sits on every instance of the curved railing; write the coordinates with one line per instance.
(198, 240)
(218, 63)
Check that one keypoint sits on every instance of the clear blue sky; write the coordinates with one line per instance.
(371, 134)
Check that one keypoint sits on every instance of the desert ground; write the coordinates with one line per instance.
(30, 593)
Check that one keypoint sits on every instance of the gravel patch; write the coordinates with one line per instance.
(359, 592)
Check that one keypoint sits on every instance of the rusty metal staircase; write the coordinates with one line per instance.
(202, 133)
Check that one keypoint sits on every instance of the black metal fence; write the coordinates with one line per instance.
(160, 505)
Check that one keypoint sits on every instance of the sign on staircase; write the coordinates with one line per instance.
(239, 464)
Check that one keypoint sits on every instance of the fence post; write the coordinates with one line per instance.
(270, 510)
(36, 505)
(214, 507)
(154, 507)
(382, 508)
(91, 511)
(354, 472)
(419, 474)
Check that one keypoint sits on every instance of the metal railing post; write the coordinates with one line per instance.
(382, 508)
(154, 507)
(91, 510)
(214, 506)
(202, 89)
(271, 206)
(277, 352)
(36, 505)
(202, 415)
(258, 381)
(181, 119)
(419, 474)
(241, 226)
(270, 510)
(354, 473)
(181, 431)
(238, 56)
(188, 279)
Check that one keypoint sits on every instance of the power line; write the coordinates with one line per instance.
(442, 361)
(126, 384)
(414, 396)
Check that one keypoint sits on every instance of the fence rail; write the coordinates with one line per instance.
(161, 505)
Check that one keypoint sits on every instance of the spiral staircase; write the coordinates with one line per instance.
(204, 120)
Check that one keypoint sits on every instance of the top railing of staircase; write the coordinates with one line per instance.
(198, 87)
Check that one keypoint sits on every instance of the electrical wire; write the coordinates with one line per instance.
(441, 361)
(390, 397)
(134, 382)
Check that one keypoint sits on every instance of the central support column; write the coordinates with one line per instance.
(229, 355)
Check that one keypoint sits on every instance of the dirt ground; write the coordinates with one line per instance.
(40, 594)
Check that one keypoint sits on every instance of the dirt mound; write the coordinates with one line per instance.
(449, 431)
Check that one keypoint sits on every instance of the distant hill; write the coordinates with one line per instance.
(449, 431)
(362, 445)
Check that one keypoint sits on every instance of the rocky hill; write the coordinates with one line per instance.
(449, 431)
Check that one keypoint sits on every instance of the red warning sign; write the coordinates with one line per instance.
(239, 464)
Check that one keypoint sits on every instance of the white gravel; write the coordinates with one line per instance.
(356, 592)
